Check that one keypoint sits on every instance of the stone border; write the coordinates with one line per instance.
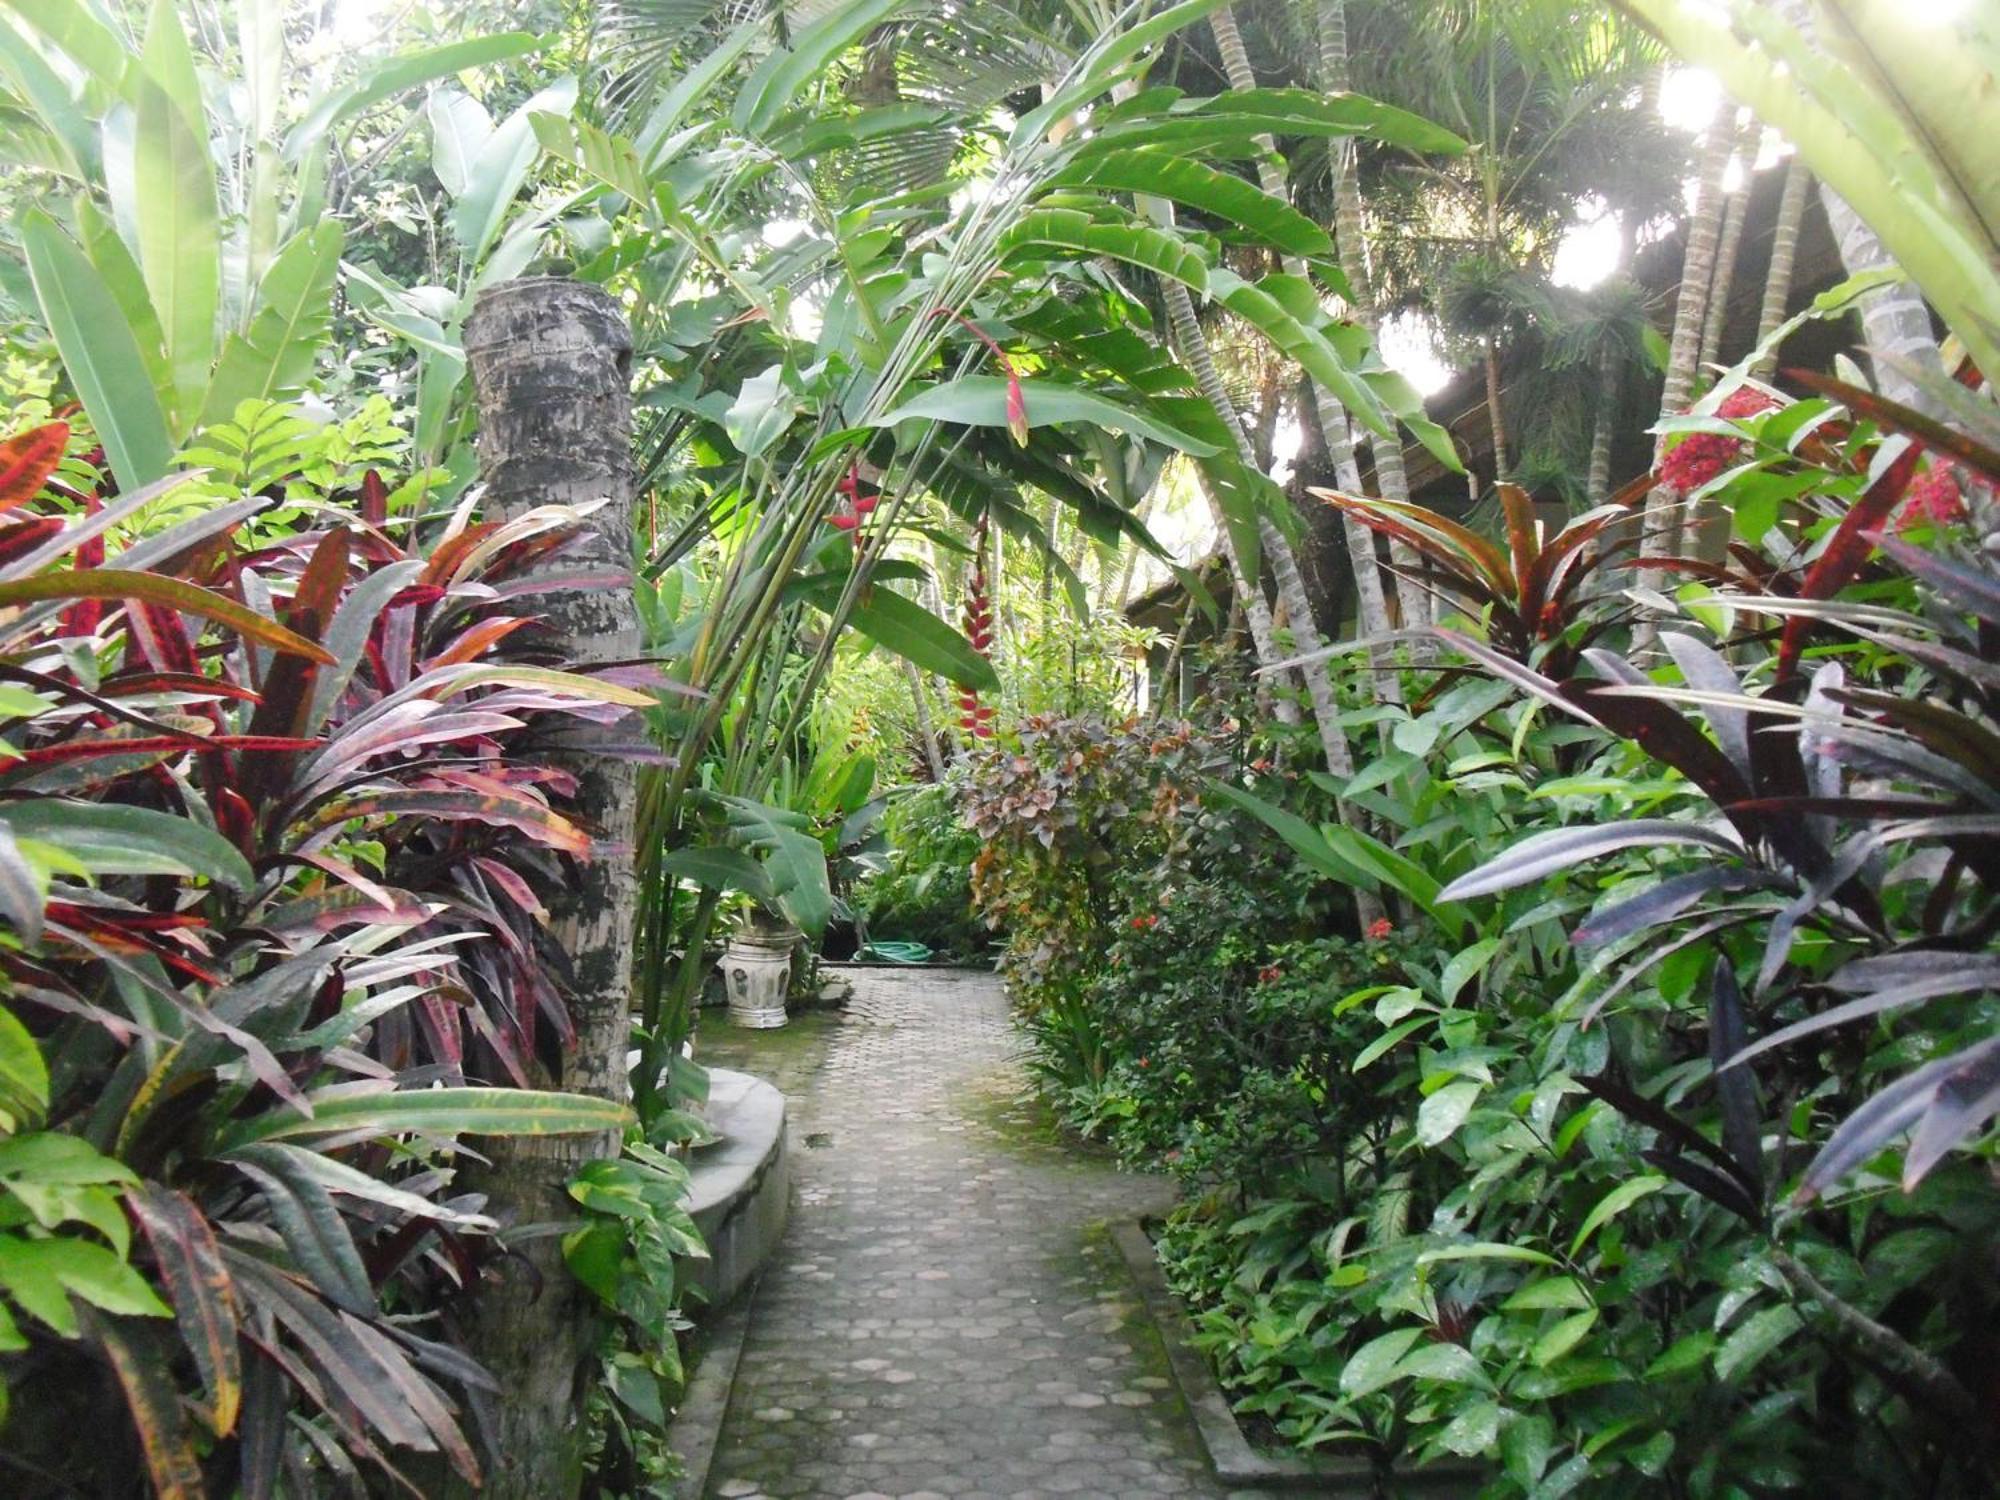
(1235, 1462)
(698, 1424)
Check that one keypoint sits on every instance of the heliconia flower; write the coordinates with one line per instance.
(1017, 408)
(842, 520)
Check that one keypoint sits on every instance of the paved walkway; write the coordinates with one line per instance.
(945, 1317)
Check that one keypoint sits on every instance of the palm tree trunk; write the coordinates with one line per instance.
(1351, 241)
(1335, 428)
(1735, 209)
(1192, 345)
(1598, 485)
(1895, 322)
(549, 361)
(1784, 250)
(1660, 519)
(1493, 413)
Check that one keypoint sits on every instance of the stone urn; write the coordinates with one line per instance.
(757, 971)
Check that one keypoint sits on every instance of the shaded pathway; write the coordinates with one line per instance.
(945, 1317)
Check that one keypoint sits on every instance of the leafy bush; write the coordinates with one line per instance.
(924, 894)
(1666, 1167)
(270, 847)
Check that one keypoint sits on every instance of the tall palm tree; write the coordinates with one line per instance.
(1736, 208)
(1661, 516)
(1351, 242)
(1784, 251)
(1330, 416)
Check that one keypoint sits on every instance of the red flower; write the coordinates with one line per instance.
(1017, 408)
(1937, 496)
(1700, 456)
(1381, 927)
(1270, 974)
(1145, 924)
(1144, 1064)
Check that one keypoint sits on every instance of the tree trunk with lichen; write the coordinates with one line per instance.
(551, 363)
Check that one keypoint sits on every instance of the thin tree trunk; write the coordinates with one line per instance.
(1193, 345)
(1662, 511)
(1735, 209)
(1598, 484)
(926, 729)
(1169, 674)
(550, 361)
(1784, 251)
(1494, 416)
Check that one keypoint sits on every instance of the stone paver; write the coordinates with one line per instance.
(945, 1318)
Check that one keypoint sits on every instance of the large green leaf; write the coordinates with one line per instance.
(907, 629)
(495, 175)
(1075, 232)
(794, 858)
(78, 32)
(1305, 840)
(180, 239)
(1196, 185)
(31, 77)
(275, 358)
(392, 76)
(99, 352)
(1107, 58)
(1263, 305)
(460, 129)
(110, 839)
(458, 1111)
(721, 870)
(981, 401)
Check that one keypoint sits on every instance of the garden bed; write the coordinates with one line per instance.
(1236, 1460)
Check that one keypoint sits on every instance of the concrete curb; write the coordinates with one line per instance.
(698, 1424)
(740, 1191)
(1235, 1462)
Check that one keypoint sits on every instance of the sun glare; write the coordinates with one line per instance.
(1689, 98)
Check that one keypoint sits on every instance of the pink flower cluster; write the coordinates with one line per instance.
(1700, 456)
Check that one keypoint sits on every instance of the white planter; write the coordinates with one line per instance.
(757, 971)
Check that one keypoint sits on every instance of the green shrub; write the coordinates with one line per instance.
(924, 895)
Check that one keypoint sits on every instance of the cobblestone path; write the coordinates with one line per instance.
(945, 1317)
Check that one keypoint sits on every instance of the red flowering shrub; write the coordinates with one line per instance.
(1700, 456)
